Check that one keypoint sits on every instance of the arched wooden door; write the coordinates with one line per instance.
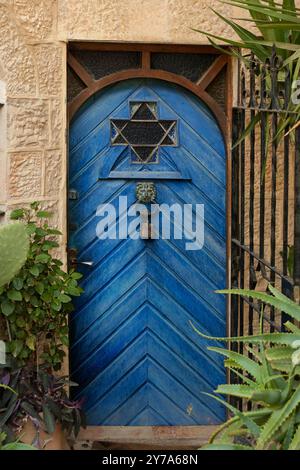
(133, 352)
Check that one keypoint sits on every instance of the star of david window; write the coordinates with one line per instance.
(144, 133)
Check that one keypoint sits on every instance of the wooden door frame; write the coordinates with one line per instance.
(160, 436)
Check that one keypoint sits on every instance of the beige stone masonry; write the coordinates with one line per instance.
(33, 39)
(33, 42)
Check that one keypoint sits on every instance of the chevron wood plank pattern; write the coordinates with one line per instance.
(134, 353)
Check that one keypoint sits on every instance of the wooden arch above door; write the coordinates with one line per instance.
(200, 69)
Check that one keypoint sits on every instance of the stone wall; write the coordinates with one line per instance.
(33, 42)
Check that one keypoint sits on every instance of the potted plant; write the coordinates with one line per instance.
(35, 407)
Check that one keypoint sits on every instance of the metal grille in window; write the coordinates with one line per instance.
(75, 85)
(190, 66)
(144, 133)
(102, 63)
(217, 89)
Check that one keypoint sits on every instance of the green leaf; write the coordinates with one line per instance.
(282, 15)
(53, 231)
(34, 270)
(39, 287)
(49, 419)
(43, 258)
(56, 306)
(76, 275)
(277, 419)
(17, 446)
(270, 397)
(65, 340)
(35, 205)
(226, 447)
(289, 307)
(49, 245)
(279, 353)
(30, 228)
(30, 342)
(20, 322)
(64, 298)
(46, 296)
(275, 338)
(295, 444)
(242, 391)
(41, 232)
(17, 214)
(18, 283)
(248, 422)
(13, 294)
(17, 346)
(247, 130)
(243, 361)
(30, 410)
(7, 307)
(34, 301)
(44, 214)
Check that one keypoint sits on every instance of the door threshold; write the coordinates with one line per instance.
(144, 437)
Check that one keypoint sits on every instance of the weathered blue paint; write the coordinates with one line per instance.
(133, 351)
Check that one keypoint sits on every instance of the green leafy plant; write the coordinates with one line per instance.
(38, 396)
(270, 380)
(278, 24)
(36, 303)
(14, 245)
(278, 30)
(15, 445)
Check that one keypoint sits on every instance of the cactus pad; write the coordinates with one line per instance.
(14, 245)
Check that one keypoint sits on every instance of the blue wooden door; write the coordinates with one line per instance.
(133, 353)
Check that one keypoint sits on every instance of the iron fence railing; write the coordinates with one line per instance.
(266, 193)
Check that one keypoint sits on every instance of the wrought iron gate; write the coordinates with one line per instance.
(266, 194)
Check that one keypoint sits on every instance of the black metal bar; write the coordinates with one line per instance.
(271, 103)
(242, 210)
(269, 110)
(235, 216)
(263, 155)
(257, 308)
(261, 260)
(285, 227)
(251, 192)
(297, 209)
(273, 204)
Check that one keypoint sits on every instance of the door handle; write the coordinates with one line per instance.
(86, 263)
(73, 261)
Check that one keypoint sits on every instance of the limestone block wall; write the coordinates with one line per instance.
(33, 43)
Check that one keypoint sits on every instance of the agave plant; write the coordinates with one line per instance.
(270, 381)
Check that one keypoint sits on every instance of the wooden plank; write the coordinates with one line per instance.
(143, 175)
(146, 60)
(212, 72)
(157, 74)
(82, 73)
(134, 47)
(162, 436)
